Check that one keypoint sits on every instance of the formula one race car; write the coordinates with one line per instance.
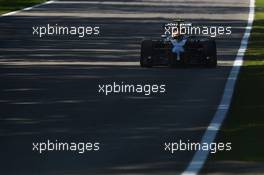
(175, 49)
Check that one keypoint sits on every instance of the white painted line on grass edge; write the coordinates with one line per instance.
(26, 9)
(200, 156)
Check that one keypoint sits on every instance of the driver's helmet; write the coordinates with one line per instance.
(176, 33)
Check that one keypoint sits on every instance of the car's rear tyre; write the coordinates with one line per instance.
(146, 59)
(210, 54)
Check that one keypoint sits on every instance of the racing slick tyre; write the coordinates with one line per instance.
(210, 54)
(146, 59)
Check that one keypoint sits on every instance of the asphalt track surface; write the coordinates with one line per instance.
(49, 87)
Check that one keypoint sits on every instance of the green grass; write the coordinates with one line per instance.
(244, 126)
(12, 5)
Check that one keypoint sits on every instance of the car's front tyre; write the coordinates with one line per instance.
(210, 54)
(146, 59)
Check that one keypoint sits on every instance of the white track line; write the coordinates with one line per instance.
(26, 9)
(200, 156)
